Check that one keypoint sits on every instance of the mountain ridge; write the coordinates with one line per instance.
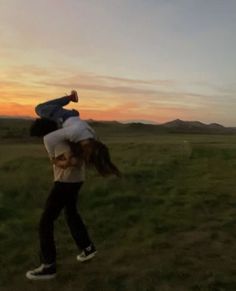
(193, 124)
(8, 125)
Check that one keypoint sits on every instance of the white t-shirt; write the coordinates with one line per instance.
(73, 129)
(71, 174)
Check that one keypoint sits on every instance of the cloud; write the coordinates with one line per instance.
(228, 90)
(16, 109)
(135, 81)
(92, 82)
(38, 81)
(113, 88)
(105, 97)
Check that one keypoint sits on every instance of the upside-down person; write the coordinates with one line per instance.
(57, 124)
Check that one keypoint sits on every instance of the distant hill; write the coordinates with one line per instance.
(174, 126)
(178, 125)
(14, 127)
(19, 128)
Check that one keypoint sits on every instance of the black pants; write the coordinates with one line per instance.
(62, 195)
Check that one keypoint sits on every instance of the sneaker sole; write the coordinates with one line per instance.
(76, 98)
(42, 277)
(89, 257)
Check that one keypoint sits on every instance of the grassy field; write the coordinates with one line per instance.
(168, 224)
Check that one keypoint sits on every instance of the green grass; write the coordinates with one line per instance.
(168, 224)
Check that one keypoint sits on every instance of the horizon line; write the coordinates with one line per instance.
(142, 121)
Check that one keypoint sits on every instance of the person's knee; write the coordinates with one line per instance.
(70, 213)
(43, 222)
(46, 221)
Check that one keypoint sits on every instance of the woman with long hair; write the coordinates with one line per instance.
(57, 124)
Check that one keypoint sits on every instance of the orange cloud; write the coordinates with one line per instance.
(102, 97)
(123, 112)
(131, 111)
(15, 109)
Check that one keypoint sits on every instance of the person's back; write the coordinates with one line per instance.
(63, 195)
(78, 130)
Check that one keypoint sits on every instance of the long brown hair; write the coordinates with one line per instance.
(96, 153)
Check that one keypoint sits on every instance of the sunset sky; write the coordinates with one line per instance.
(153, 60)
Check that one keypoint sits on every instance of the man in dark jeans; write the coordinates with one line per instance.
(68, 178)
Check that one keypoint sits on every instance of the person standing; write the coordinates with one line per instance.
(69, 176)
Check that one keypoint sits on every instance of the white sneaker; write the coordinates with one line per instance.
(43, 272)
(87, 254)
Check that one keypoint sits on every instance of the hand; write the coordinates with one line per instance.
(64, 164)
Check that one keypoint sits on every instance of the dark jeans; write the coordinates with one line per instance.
(54, 110)
(62, 195)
